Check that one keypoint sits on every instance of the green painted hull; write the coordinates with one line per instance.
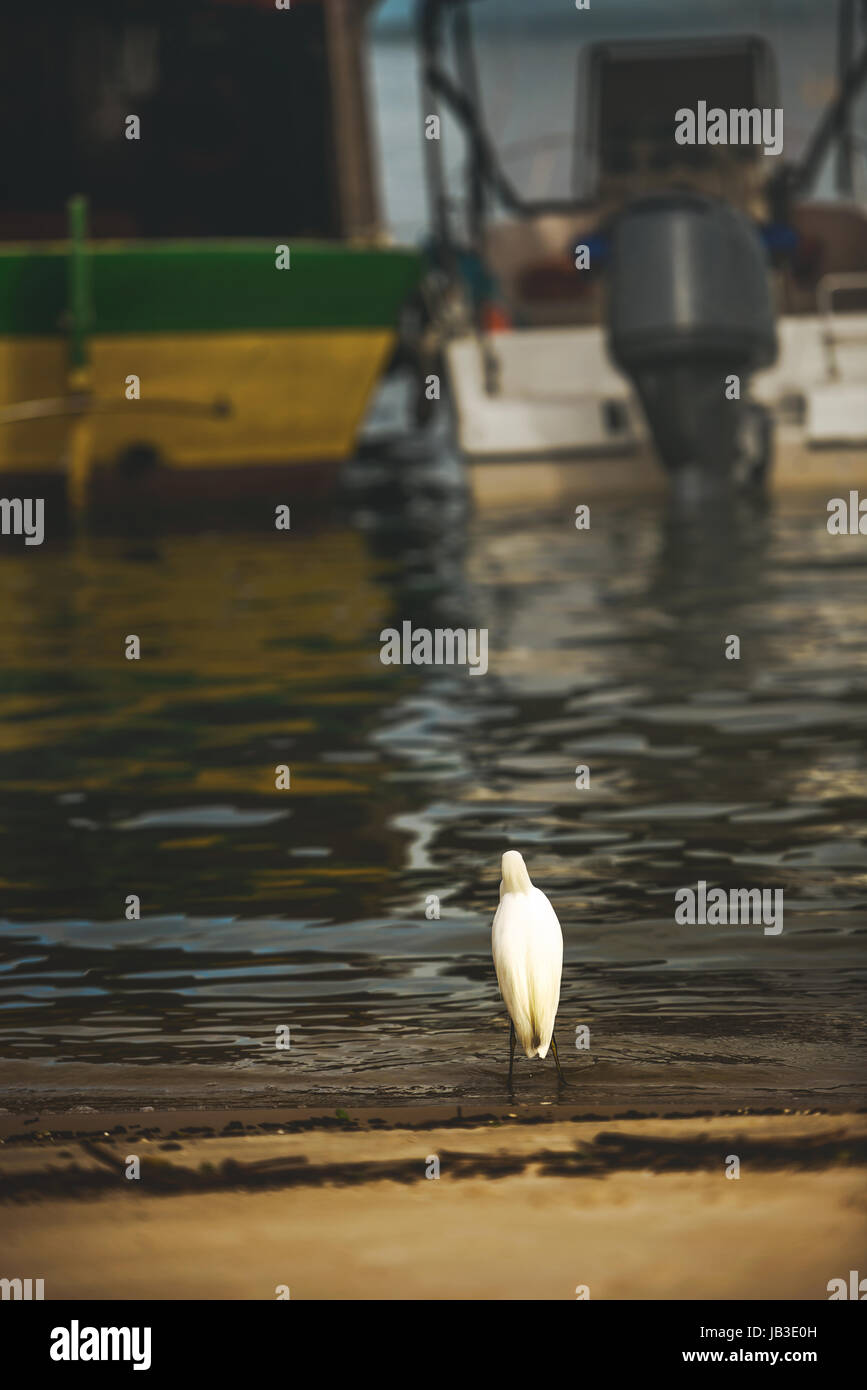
(208, 286)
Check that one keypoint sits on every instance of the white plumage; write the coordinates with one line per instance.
(527, 946)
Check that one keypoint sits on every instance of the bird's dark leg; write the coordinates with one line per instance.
(511, 1050)
(563, 1081)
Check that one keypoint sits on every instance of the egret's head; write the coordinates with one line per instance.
(515, 876)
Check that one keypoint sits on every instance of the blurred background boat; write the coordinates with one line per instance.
(253, 134)
(701, 261)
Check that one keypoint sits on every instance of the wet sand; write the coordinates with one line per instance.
(530, 1203)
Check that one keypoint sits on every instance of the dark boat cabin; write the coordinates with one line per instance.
(249, 120)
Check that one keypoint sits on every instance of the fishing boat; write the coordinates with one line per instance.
(690, 310)
(197, 298)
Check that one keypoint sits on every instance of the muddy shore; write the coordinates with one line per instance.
(529, 1203)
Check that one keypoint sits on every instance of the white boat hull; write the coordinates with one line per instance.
(561, 403)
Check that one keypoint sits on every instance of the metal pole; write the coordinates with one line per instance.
(430, 36)
(80, 318)
(844, 164)
(79, 300)
(469, 78)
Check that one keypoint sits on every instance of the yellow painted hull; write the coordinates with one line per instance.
(295, 396)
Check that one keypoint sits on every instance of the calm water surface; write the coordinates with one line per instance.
(306, 907)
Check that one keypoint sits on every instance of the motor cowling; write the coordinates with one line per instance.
(690, 306)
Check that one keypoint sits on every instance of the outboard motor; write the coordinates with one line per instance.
(689, 306)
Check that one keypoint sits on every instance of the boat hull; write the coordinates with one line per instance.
(565, 482)
(291, 397)
(239, 365)
(565, 419)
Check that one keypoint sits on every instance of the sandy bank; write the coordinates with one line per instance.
(630, 1208)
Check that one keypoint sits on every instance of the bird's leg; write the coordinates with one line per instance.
(563, 1081)
(511, 1050)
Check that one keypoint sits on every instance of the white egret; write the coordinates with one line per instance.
(527, 946)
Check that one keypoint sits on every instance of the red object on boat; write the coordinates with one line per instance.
(495, 319)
